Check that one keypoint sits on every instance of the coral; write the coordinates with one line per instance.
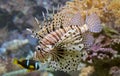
(102, 54)
(114, 71)
(107, 10)
(116, 40)
(13, 48)
(85, 7)
(102, 67)
(15, 44)
(100, 49)
(6, 65)
(116, 43)
(2, 68)
(110, 32)
(26, 73)
(10, 66)
(114, 8)
(87, 71)
(3, 35)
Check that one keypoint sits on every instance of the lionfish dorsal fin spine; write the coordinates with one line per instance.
(34, 34)
(47, 11)
(43, 14)
(93, 23)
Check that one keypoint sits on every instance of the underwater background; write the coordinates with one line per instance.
(102, 49)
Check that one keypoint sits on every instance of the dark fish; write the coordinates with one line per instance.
(28, 64)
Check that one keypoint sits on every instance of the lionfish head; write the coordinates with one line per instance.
(41, 54)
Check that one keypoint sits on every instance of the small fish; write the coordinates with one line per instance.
(30, 65)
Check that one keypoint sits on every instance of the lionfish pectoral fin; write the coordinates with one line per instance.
(93, 23)
(77, 20)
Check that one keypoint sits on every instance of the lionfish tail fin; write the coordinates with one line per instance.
(77, 20)
(93, 22)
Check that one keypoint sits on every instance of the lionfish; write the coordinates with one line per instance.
(61, 42)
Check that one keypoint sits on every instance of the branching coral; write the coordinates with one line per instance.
(114, 8)
(107, 10)
(100, 49)
(86, 7)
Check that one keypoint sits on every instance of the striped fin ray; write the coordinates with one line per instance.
(42, 30)
(67, 56)
(93, 22)
(58, 20)
(68, 63)
(58, 51)
(68, 38)
(57, 54)
(71, 39)
(34, 34)
(49, 25)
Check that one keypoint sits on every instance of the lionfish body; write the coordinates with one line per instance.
(61, 43)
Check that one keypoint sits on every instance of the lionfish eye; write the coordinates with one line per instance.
(38, 47)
